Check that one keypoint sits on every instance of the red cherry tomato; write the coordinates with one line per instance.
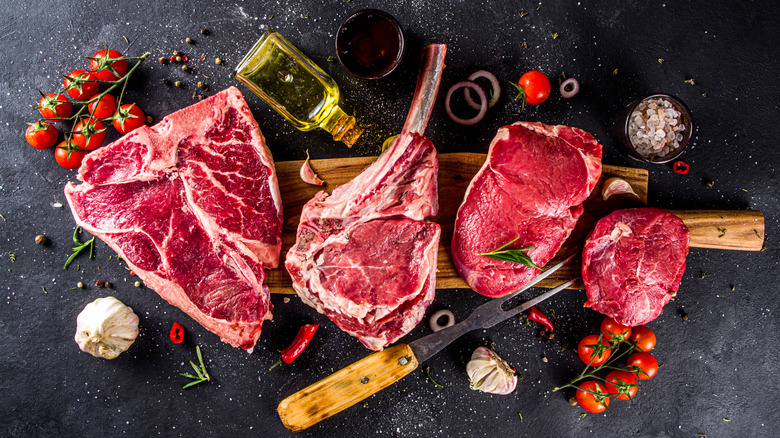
(593, 403)
(613, 329)
(103, 108)
(534, 87)
(644, 338)
(621, 378)
(41, 135)
(587, 353)
(88, 134)
(71, 161)
(644, 365)
(54, 107)
(81, 85)
(105, 69)
(128, 117)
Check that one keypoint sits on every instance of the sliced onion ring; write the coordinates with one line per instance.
(569, 88)
(493, 83)
(483, 103)
(434, 322)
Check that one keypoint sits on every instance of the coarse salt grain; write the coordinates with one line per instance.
(655, 128)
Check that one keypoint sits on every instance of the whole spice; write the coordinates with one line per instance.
(185, 68)
(40, 239)
(178, 84)
(106, 327)
(177, 333)
(189, 40)
(302, 339)
(99, 283)
(204, 31)
(489, 373)
(218, 61)
(201, 375)
(536, 315)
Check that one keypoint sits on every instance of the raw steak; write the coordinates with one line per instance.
(633, 262)
(364, 255)
(531, 188)
(192, 206)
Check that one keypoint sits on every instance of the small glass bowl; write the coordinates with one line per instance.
(370, 44)
(620, 129)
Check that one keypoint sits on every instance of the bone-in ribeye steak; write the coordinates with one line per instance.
(192, 205)
(633, 262)
(531, 187)
(364, 256)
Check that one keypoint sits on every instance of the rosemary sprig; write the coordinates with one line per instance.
(202, 374)
(512, 255)
(79, 247)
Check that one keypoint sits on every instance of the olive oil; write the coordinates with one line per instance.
(296, 88)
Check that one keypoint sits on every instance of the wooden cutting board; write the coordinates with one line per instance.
(744, 229)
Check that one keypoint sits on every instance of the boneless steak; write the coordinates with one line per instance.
(633, 262)
(192, 205)
(364, 255)
(531, 188)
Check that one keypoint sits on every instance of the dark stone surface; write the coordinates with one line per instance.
(719, 374)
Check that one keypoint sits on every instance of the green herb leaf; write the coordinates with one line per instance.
(202, 374)
(80, 247)
(428, 373)
(512, 255)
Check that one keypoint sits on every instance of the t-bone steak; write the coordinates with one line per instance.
(364, 256)
(531, 188)
(192, 205)
(633, 262)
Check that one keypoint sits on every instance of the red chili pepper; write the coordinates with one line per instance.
(681, 167)
(536, 315)
(302, 339)
(177, 333)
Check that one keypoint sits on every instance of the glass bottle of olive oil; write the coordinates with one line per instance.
(296, 87)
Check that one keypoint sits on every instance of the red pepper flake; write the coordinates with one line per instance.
(173, 58)
(302, 339)
(681, 167)
(536, 315)
(132, 273)
(202, 58)
(184, 58)
(177, 333)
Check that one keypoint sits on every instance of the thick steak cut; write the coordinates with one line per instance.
(192, 205)
(364, 256)
(633, 262)
(531, 188)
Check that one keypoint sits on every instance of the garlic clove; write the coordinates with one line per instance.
(489, 373)
(307, 174)
(616, 186)
(106, 328)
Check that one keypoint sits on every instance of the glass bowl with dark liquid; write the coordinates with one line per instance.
(370, 44)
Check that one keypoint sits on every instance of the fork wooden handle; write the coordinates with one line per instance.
(724, 229)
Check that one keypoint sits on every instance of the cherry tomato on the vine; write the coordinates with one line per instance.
(105, 69)
(81, 85)
(534, 87)
(41, 135)
(644, 365)
(644, 338)
(593, 403)
(587, 353)
(53, 106)
(128, 117)
(88, 134)
(611, 328)
(71, 161)
(621, 378)
(103, 108)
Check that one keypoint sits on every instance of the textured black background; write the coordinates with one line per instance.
(720, 366)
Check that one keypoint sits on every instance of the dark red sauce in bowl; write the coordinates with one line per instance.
(370, 44)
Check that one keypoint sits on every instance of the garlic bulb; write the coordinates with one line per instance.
(490, 373)
(106, 328)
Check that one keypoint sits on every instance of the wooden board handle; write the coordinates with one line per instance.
(346, 387)
(724, 229)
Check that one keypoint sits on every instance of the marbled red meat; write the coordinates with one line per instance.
(192, 205)
(531, 187)
(633, 262)
(364, 255)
